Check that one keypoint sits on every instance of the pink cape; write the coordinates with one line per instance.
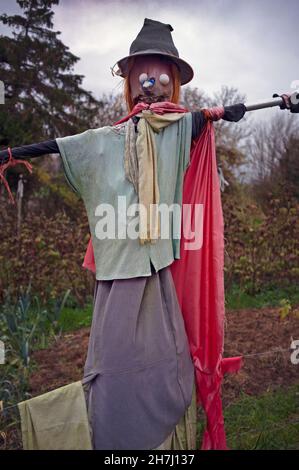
(199, 279)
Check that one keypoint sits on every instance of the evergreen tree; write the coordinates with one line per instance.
(43, 97)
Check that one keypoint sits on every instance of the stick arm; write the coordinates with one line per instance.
(285, 101)
(264, 104)
(31, 151)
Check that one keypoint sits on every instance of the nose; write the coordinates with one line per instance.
(148, 84)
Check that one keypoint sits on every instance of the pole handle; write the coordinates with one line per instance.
(264, 104)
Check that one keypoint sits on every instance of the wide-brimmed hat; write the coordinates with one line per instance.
(155, 38)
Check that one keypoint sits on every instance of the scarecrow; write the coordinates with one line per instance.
(156, 342)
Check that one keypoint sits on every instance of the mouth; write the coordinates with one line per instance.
(150, 99)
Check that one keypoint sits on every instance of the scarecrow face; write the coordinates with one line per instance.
(151, 79)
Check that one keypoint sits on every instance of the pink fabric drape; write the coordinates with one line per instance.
(199, 280)
(199, 277)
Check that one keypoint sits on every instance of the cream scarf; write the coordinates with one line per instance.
(140, 163)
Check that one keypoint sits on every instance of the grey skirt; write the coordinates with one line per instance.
(138, 371)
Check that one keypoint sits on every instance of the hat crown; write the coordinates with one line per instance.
(155, 38)
(154, 35)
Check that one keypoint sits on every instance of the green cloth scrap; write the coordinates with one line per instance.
(56, 420)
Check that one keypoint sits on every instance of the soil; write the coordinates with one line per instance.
(264, 340)
(247, 333)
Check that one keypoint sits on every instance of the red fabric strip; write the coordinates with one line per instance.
(11, 163)
(214, 114)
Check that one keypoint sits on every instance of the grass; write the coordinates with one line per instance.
(74, 318)
(269, 421)
(269, 297)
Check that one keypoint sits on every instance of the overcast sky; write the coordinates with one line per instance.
(251, 45)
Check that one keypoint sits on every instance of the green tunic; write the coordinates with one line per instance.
(94, 166)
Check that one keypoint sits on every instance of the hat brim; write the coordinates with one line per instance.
(186, 70)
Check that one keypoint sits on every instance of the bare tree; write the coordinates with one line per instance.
(274, 155)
